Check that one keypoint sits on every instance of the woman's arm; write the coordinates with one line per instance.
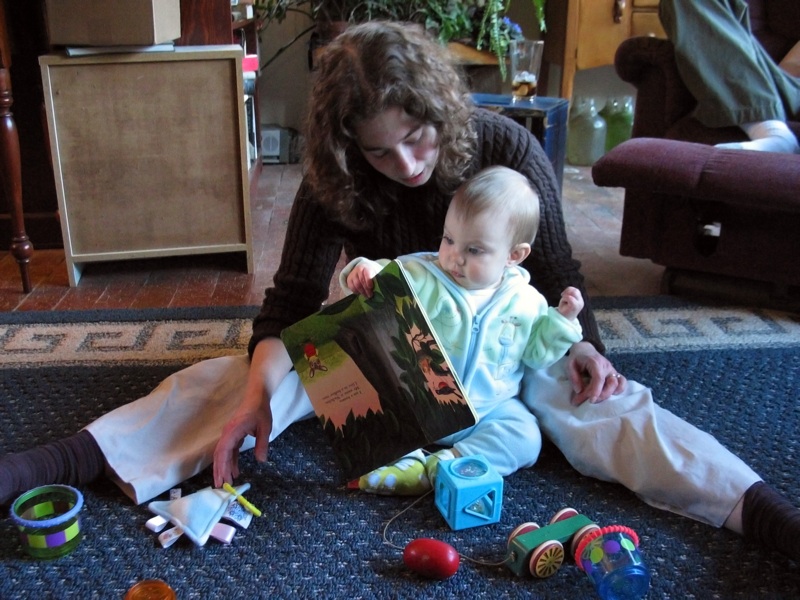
(269, 364)
(311, 251)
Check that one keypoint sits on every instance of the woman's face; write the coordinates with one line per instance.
(399, 146)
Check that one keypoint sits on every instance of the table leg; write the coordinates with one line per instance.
(11, 173)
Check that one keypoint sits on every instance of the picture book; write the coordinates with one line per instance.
(377, 376)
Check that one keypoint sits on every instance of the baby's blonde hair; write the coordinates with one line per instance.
(502, 191)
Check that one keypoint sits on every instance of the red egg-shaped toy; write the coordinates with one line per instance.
(431, 558)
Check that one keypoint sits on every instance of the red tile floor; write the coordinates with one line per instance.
(593, 217)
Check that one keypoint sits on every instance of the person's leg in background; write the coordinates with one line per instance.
(735, 81)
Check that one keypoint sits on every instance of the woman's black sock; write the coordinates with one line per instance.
(75, 460)
(771, 520)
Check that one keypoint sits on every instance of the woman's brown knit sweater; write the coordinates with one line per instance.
(414, 222)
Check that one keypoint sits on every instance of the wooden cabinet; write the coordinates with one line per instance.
(583, 34)
(149, 154)
(202, 22)
(150, 151)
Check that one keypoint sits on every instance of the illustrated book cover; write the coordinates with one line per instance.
(377, 376)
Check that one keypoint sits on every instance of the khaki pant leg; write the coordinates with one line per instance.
(631, 440)
(158, 441)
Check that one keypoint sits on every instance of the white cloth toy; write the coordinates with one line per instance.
(198, 513)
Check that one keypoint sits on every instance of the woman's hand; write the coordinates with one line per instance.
(268, 366)
(256, 422)
(592, 375)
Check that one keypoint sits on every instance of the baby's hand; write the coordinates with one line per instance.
(571, 303)
(359, 280)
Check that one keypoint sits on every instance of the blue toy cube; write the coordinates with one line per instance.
(469, 492)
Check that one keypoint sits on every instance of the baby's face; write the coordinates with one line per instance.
(475, 253)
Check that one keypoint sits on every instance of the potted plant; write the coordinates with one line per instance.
(483, 22)
(320, 14)
(496, 30)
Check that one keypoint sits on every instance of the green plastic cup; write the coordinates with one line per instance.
(47, 519)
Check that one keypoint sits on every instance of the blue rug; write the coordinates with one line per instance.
(320, 540)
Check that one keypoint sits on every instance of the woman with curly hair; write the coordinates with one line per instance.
(391, 133)
(357, 80)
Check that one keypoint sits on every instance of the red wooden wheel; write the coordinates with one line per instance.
(563, 514)
(520, 529)
(546, 559)
(579, 535)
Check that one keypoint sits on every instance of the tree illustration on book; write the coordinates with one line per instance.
(376, 375)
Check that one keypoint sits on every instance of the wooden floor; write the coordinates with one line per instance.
(593, 217)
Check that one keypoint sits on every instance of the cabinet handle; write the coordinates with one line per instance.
(619, 10)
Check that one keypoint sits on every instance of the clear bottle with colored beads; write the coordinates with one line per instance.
(586, 137)
(618, 114)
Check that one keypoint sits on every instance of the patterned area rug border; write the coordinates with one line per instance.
(695, 328)
(99, 337)
(186, 335)
(126, 314)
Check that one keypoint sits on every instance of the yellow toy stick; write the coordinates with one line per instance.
(241, 499)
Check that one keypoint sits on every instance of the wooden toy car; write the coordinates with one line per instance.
(540, 550)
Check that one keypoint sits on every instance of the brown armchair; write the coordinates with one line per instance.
(725, 223)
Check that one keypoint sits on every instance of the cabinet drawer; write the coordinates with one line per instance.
(645, 3)
(598, 35)
(646, 24)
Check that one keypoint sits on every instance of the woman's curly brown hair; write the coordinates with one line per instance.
(367, 69)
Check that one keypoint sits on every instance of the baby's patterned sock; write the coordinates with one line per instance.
(412, 475)
(432, 463)
(406, 477)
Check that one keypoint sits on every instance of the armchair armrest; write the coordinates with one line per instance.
(747, 178)
(662, 98)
